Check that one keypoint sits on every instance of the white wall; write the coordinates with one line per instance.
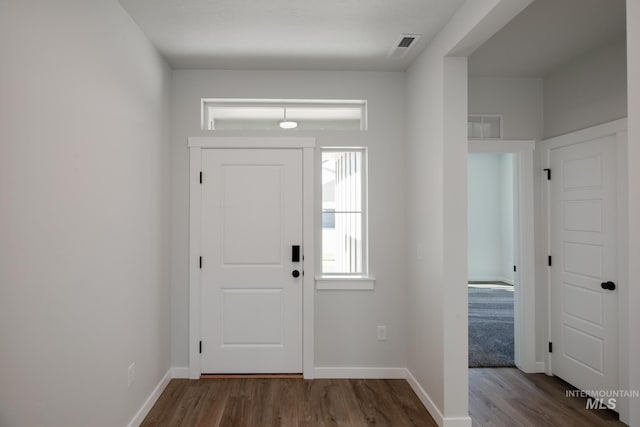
(436, 93)
(633, 57)
(490, 220)
(84, 230)
(519, 101)
(587, 91)
(346, 321)
(484, 198)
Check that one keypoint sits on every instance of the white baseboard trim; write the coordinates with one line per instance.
(457, 422)
(359, 373)
(532, 367)
(180, 372)
(507, 280)
(425, 399)
(151, 400)
(490, 279)
(431, 407)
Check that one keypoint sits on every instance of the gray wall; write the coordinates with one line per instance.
(346, 321)
(519, 101)
(587, 91)
(84, 167)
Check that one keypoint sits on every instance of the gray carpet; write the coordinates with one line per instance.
(490, 326)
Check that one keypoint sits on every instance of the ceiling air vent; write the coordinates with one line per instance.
(402, 45)
(406, 41)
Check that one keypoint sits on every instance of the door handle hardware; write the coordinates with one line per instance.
(610, 286)
(295, 273)
(295, 253)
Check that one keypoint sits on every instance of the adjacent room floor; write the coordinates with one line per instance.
(491, 339)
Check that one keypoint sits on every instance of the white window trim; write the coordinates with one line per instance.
(482, 117)
(345, 281)
(253, 102)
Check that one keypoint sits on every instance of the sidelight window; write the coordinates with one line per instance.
(344, 221)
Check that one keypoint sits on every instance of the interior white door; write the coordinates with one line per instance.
(251, 301)
(584, 313)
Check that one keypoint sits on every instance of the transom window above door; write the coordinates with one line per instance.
(278, 114)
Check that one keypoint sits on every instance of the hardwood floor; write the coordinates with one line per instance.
(288, 402)
(509, 397)
(497, 397)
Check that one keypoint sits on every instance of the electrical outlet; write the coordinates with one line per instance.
(382, 333)
(131, 374)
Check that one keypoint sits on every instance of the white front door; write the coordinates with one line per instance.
(251, 302)
(584, 303)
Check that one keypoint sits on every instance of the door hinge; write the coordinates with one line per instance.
(550, 261)
(200, 177)
(550, 347)
(514, 269)
(548, 171)
(200, 262)
(200, 347)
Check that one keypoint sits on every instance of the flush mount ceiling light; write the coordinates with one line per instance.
(288, 124)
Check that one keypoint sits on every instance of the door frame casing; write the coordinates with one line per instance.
(196, 145)
(618, 130)
(524, 246)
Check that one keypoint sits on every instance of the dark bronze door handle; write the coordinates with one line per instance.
(610, 286)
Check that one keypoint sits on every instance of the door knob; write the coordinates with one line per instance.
(295, 273)
(610, 286)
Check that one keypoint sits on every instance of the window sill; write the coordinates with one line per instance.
(345, 283)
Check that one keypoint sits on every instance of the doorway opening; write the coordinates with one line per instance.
(491, 260)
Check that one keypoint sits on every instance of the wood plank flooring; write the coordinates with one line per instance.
(509, 397)
(288, 402)
(497, 397)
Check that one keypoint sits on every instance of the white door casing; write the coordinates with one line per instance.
(584, 316)
(524, 247)
(198, 147)
(251, 303)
